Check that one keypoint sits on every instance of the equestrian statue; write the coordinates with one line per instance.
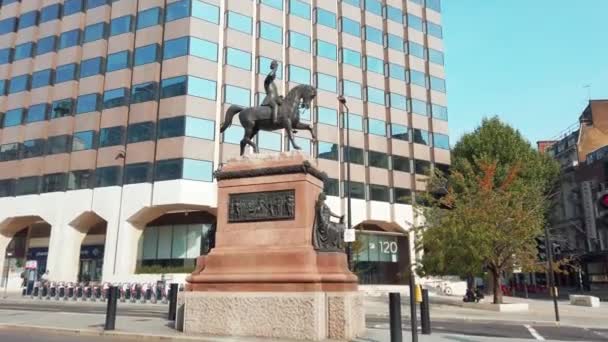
(274, 113)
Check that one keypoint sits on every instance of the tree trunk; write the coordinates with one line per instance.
(497, 289)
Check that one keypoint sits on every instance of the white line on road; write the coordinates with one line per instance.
(534, 333)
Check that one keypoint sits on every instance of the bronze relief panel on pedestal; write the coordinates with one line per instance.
(262, 206)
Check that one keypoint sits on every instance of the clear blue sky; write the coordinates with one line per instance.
(526, 61)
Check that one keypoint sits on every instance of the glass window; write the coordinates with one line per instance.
(415, 22)
(27, 186)
(327, 82)
(28, 19)
(374, 65)
(233, 134)
(351, 27)
(421, 137)
(278, 4)
(239, 22)
(271, 32)
(422, 167)
(168, 169)
(325, 49)
(401, 163)
(69, 39)
(146, 54)
(83, 141)
(396, 71)
(111, 136)
(269, 141)
(237, 95)
(327, 150)
(8, 25)
(373, 34)
(357, 190)
(65, 73)
(419, 107)
(399, 132)
(175, 86)
(45, 45)
(19, 84)
(138, 173)
(141, 131)
(356, 3)
(434, 30)
(3, 84)
(171, 127)
(94, 32)
(144, 92)
(54, 182)
(373, 6)
(299, 8)
(379, 193)
(37, 113)
(177, 10)
(238, 58)
(435, 5)
(377, 159)
(71, 7)
(437, 84)
(355, 155)
(398, 101)
(12, 117)
(352, 89)
(121, 25)
(436, 56)
(42, 78)
(147, 18)
(441, 141)
(205, 11)
(351, 57)
(87, 103)
(202, 88)
(264, 67)
(96, 3)
(81, 179)
(416, 50)
(9, 152)
(440, 112)
(331, 187)
(49, 13)
(203, 49)
(299, 41)
(58, 144)
(327, 116)
(5, 55)
(32, 148)
(90, 67)
(395, 42)
(403, 196)
(200, 128)
(7, 187)
(299, 75)
(23, 51)
(394, 14)
(355, 122)
(115, 98)
(326, 18)
(375, 95)
(176, 48)
(117, 61)
(418, 78)
(304, 144)
(61, 108)
(108, 176)
(376, 127)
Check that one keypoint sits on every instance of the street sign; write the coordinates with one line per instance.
(31, 265)
(349, 235)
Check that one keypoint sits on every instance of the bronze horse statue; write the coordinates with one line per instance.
(254, 119)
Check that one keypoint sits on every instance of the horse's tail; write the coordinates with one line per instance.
(230, 113)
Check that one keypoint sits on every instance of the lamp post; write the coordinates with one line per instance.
(349, 246)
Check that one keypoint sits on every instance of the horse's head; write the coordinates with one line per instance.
(302, 94)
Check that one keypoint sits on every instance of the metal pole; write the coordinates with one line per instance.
(111, 309)
(425, 313)
(413, 318)
(551, 276)
(173, 301)
(394, 307)
(349, 246)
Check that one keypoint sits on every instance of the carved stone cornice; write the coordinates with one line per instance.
(306, 168)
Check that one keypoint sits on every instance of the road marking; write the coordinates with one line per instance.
(534, 333)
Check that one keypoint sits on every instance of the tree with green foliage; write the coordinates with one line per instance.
(491, 206)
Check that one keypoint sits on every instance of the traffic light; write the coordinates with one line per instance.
(602, 206)
(542, 249)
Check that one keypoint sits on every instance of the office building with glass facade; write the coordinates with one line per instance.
(111, 110)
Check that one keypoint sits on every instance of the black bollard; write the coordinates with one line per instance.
(111, 311)
(425, 313)
(394, 304)
(173, 301)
